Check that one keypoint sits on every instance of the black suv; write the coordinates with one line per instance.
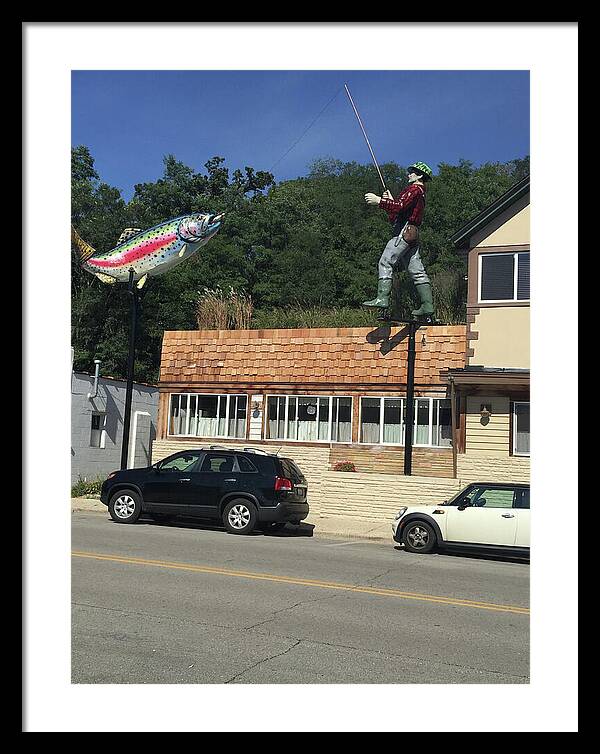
(242, 488)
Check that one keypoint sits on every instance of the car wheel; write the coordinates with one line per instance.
(419, 537)
(239, 516)
(125, 507)
(272, 526)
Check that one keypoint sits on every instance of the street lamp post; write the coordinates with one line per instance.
(410, 398)
(130, 362)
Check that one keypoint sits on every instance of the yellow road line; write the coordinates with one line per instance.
(305, 582)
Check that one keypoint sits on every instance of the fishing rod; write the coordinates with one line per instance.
(365, 135)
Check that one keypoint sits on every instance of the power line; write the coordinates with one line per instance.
(306, 130)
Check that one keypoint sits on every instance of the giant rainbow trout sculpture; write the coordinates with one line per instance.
(149, 252)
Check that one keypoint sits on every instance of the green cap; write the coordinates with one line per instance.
(424, 168)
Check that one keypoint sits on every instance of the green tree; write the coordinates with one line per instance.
(308, 246)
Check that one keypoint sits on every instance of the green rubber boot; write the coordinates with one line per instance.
(384, 287)
(426, 308)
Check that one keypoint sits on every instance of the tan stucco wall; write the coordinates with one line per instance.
(510, 228)
(503, 337)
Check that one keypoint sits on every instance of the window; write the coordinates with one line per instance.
(341, 427)
(504, 277)
(522, 498)
(309, 418)
(521, 428)
(382, 421)
(182, 462)
(246, 466)
(98, 433)
(217, 463)
(208, 415)
(487, 497)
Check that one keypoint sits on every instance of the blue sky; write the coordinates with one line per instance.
(131, 119)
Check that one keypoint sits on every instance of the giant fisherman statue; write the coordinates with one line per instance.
(406, 215)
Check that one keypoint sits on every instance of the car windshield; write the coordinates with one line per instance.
(455, 497)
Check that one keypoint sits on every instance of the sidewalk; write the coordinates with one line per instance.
(345, 527)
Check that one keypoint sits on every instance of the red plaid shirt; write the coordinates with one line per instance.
(408, 207)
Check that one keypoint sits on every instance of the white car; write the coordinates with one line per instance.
(484, 515)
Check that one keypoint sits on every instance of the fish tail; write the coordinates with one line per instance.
(84, 249)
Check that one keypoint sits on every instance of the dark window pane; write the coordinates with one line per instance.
(246, 465)
(523, 277)
(522, 428)
(522, 499)
(272, 409)
(207, 406)
(290, 470)
(497, 277)
(222, 464)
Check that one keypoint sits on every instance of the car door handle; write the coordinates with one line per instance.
(185, 480)
(508, 515)
(230, 480)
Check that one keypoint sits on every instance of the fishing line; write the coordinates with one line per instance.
(306, 130)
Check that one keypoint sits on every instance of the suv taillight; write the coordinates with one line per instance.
(283, 485)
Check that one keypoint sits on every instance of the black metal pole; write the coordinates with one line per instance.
(410, 398)
(130, 362)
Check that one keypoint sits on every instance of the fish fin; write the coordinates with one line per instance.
(142, 280)
(127, 234)
(84, 249)
(105, 278)
(183, 250)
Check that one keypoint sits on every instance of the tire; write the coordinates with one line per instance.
(419, 537)
(125, 507)
(239, 516)
(271, 527)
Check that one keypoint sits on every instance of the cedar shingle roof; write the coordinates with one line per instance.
(317, 356)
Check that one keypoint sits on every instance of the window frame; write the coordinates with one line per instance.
(515, 452)
(218, 396)
(514, 299)
(287, 396)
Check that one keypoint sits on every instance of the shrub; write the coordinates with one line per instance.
(344, 466)
(84, 488)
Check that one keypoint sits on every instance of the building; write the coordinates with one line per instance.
(492, 388)
(97, 405)
(323, 397)
(327, 397)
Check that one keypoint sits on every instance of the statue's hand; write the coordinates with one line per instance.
(372, 199)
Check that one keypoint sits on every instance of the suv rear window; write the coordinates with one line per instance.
(290, 470)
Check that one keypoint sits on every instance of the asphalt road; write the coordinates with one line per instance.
(185, 603)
